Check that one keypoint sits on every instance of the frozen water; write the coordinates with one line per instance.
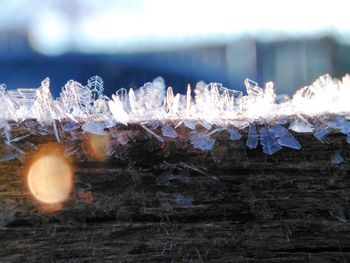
(290, 142)
(342, 124)
(54, 126)
(152, 133)
(205, 124)
(7, 157)
(338, 214)
(284, 138)
(253, 89)
(15, 147)
(19, 138)
(190, 124)
(268, 141)
(321, 130)
(336, 158)
(234, 134)
(201, 141)
(279, 130)
(301, 126)
(214, 131)
(76, 100)
(163, 180)
(212, 105)
(182, 200)
(6, 129)
(321, 133)
(193, 168)
(169, 131)
(116, 106)
(8, 106)
(95, 84)
(18, 103)
(94, 127)
(44, 109)
(151, 95)
(252, 141)
(70, 126)
(122, 95)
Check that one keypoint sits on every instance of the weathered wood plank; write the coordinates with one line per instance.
(164, 202)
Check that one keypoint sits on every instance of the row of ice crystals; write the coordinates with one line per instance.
(207, 105)
(153, 101)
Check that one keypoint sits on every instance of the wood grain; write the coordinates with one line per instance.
(157, 201)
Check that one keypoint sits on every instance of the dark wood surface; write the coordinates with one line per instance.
(157, 201)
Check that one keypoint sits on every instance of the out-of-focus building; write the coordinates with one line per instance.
(131, 42)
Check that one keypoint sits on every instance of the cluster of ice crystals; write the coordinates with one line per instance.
(76, 100)
(319, 109)
(45, 109)
(8, 106)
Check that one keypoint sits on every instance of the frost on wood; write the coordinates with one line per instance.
(319, 109)
(253, 138)
(234, 134)
(169, 131)
(269, 141)
(202, 141)
(284, 138)
(336, 158)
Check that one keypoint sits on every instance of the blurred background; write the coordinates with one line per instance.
(128, 43)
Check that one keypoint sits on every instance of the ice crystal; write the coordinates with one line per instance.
(8, 105)
(95, 84)
(284, 138)
(183, 200)
(169, 131)
(212, 102)
(156, 136)
(5, 128)
(190, 124)
(338, 214)
(302, 126)
(268, 141)
(202, 141)
(234, 134)
(94, 127)
(70, 126)
(208, 106)
(253, 137)
(44, 108)
(336, 158)
(76, 100)
(321, 130)
(7, 157)
(342, 124)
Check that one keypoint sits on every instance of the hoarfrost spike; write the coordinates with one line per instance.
(319, 108)
(188, 100)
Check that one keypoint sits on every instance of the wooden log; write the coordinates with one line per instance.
(153, 201)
